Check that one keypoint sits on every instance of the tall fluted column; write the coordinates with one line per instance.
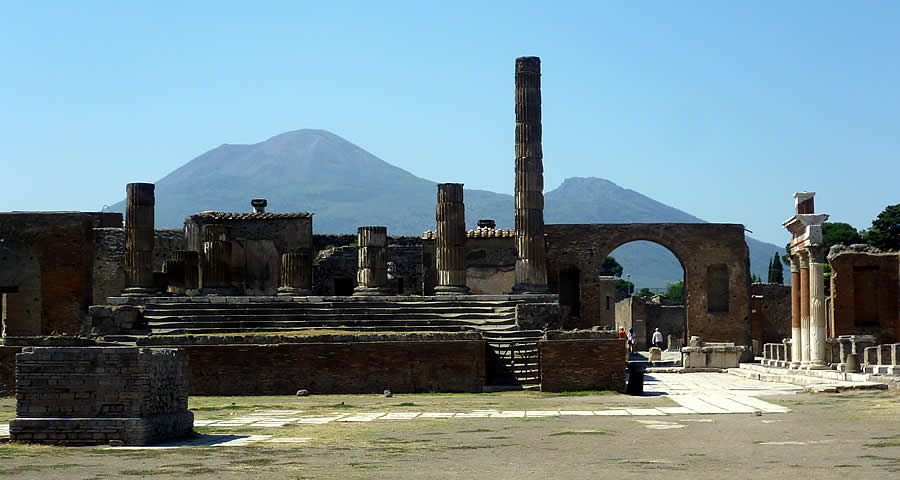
(817, 307)
(296, 273)
(804, 308)
(139, 211)
(796, 335)
(531, 268)
(450, 243)
(371, 274)
(215, 274)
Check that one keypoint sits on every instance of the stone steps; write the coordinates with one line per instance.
(812, 380)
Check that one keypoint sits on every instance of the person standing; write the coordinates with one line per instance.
(632, 341)
(657, 339)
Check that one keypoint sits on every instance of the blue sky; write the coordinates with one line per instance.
(721, 109)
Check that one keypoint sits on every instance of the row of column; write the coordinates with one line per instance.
(808, 316)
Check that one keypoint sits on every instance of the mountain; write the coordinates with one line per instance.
(346, 186)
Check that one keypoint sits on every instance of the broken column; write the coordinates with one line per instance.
(296, 273)
(139, 211)
(215, 273)
(371, 274)
(181, 271)
(531, 268)
(450, 243)
(796, 332)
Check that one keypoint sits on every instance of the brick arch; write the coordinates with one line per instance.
(697, 246)
(20, 269)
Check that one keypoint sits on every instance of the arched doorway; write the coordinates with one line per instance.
(714, 257)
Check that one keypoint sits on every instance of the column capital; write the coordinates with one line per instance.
(803, 257)
(816, 254)
(795, 263)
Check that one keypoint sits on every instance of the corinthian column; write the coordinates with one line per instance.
(371, 274)
(450, 243)
(796, 335)
(139, 210)
(531, 268)
(296, 273)
(804, 308)
(817, 307)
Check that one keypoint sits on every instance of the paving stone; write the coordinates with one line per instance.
(611, 412)
(644, 411)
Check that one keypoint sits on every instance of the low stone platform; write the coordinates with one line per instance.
(814, 380)
(94, 395)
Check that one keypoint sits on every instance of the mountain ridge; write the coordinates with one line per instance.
(345, 186)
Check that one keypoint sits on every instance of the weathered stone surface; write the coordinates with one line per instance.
(91, 395)
(770, 319)
(450, 242)
(371, 276)
(583, 364)
(865, 292)
(296, 273)
(139, 208)
(538, 316)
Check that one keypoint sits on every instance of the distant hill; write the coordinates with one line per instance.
(346, 186)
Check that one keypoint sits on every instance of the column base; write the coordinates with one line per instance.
(139, 292)
(451, 290)
(230, 291)
(293, 292)
(371, 291)
(817, 366)
(794, 365)
(526, 289)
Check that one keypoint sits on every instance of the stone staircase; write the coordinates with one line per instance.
(811, 380)
(513, 357)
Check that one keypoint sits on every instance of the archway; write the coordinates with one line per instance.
(714, 258)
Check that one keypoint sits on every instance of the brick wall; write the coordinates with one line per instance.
(771, 315)
(90, 395)
(582, 364)
(865, 293)
(349, 367)
(8, 370)
(108, 274)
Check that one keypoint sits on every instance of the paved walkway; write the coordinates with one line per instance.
(717, 392)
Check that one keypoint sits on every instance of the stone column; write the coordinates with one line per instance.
(215, 274)
(796, 335)
(450, 243)
(804, 308)
(531, 268)
(371, 274)
(181, 271)
(139, 211)
(817, 307)
(296, 274)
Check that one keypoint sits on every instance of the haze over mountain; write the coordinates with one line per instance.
(345, 186)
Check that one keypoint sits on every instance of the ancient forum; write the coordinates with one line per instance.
(110, 324)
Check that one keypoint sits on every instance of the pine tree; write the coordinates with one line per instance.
(771, 277)
(779, 269)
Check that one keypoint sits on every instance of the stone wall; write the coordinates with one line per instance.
(703, 249)
(342, 366)
(91, 395)
(48, 256)
(490, 262)
(645, 316)
(771, 312)
(582, 364)
(334, 270)
(108, 275)
(865, 292)
(8, 370)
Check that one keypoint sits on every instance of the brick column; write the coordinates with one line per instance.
(796, 335)
(817, 307)
(531, 268)
(371, 274)
(139, 211)
(215, 273)
(450, 243)
(804, 308)
(296, 273)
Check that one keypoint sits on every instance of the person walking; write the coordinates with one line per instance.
(657, 339)
(632, 341)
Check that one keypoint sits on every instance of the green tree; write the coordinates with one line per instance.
(754, 278)
(624, 288)
(611, 267)
(834, 233)
(675, 291)
(771, 275)
(645, 293)
(778, 268)
(885, 231)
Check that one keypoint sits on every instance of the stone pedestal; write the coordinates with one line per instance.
(371, 274)
(139, 221)
(296, 274)
(531, 266)
(450, 243)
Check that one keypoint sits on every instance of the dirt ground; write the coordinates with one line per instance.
(825, 436)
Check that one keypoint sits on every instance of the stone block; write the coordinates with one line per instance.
(538, 316)
(655, 354)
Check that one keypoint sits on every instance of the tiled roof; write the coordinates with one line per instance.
(477, 233)
(226, 216)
